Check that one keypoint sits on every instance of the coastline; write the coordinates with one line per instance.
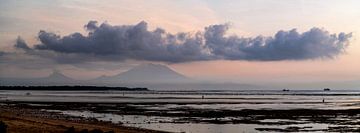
(20, 120)
(35, 117)
(245, 111)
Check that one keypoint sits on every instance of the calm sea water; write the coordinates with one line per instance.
(245, 99)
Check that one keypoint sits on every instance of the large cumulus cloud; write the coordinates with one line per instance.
(285, 45)
(137, 42)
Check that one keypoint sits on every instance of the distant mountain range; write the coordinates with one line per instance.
(156, 76)
(142, 74)
(153, 76)
(55, 78)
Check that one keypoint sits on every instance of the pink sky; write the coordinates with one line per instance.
(247, 18)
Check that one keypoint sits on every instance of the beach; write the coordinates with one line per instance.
(26, 120)
(191, 111)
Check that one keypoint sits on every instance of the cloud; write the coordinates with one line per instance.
(285, 45)
(136, 42)
(21, 44)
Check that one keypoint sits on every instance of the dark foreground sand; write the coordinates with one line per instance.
(21, 120)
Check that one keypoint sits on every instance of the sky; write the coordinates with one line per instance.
(248, 41)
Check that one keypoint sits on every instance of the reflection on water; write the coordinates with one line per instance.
(167, 123)
(245, 99)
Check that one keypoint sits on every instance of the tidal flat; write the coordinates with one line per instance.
(202, 111)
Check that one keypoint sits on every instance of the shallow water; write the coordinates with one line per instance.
(233, 100)
(167, 124)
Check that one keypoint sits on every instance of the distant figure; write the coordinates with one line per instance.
(202, 97)
(323, 100)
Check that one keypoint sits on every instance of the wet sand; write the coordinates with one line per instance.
(342, 120)
(29, 120)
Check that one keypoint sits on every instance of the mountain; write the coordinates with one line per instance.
(55, 78)
(161, 77)
(147, 73)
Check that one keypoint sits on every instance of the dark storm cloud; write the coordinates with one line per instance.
(137, 42)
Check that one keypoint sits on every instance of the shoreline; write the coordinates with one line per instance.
(199, 112)
(70, 88)
(21, 119)
(291, 119)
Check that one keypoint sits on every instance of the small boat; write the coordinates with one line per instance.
(326, 89)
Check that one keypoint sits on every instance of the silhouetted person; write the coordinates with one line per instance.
(323, 100)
